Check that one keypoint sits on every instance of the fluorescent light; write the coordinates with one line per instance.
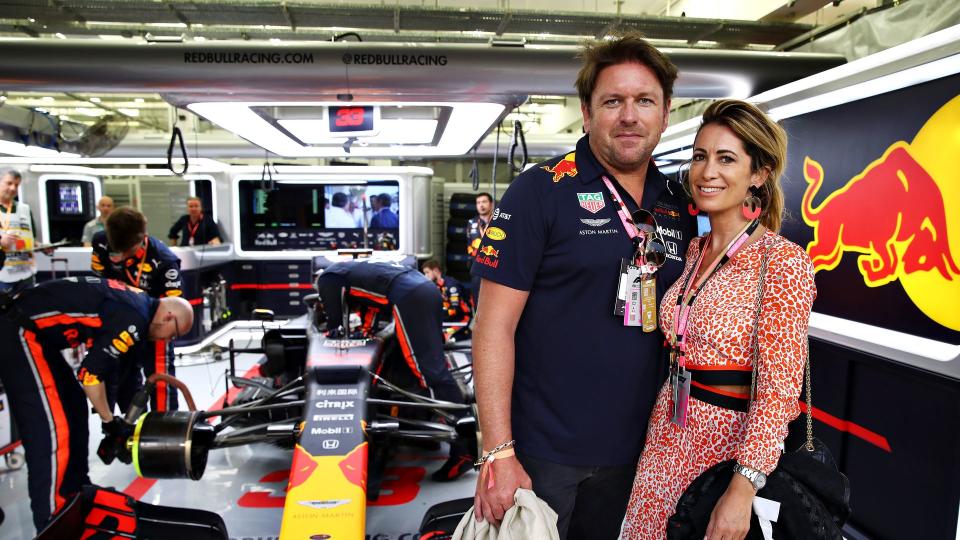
(95, 99)
(129, 112)
(138, 100)
(60, 35)
(887, 83)
(47, 98)
(392, 131)
(468, 122)
(17, 149)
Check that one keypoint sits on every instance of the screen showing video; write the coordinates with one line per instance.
(319, 216)
(70, 199)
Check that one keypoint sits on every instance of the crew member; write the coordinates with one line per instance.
(16, 236)
(111, 320)
(195, 228)
(456, 306)
(476, 227)
(95, 225)
(383, 216)
(557, 367)
(124, 251)
(414, 302)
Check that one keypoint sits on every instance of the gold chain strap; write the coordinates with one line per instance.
(761, 288)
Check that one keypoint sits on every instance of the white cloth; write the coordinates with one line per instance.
(528, 519)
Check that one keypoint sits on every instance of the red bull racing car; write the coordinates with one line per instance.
(341, 405)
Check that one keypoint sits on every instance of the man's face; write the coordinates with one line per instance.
(626, 115)
(105, 206)
(433, 274)
(194, 208)
(8, 188)
(164, 326)
(484, 205)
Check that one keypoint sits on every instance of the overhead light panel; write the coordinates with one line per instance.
(397, 129)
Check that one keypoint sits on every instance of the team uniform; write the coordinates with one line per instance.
(455, 307)
(106, 317)
(475, 229)
(413, 300)
(584, 384)
(194, 234)
(157, 271)
(19, 268)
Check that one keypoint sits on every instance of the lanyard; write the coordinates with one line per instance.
(681, 312)
(143, 258)
(193, 230)
(5, 220)
(628, 224)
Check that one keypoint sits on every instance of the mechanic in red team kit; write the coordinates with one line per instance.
(111, 320)
(125, 252)
(415, 304)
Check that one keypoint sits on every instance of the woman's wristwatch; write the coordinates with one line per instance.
(757, 478)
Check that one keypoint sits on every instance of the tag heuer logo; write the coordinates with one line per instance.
(591, 202)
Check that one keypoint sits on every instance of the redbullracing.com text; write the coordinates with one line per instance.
(211, 57)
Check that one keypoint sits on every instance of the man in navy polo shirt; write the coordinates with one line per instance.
(555, 369)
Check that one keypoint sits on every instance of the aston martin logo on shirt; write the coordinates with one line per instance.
(595, 222)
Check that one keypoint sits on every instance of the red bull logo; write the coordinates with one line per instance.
(894, 215)
(490, 252)
(566, 167)
(488, 256)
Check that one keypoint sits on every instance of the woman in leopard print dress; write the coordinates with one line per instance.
(738, 153)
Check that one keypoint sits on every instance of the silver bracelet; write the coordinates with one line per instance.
(487, 456)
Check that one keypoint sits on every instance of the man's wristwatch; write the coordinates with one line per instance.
(757, 478)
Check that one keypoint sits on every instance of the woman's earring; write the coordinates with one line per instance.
(692, 208)
(751, 208)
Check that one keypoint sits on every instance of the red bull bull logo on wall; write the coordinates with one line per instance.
(901, 214)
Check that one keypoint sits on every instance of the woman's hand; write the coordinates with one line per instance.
(730, 519)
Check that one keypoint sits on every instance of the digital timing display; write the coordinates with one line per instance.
(348, 119)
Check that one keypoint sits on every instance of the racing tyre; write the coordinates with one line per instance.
(457, 229)
(463, 205)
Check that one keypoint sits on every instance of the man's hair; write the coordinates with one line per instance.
(487, 195)
(385, 199)
(339, 199)
(431, 264)
(125, 228)
(12, 172)
(627, 47)
(766, 144)
(198, 199)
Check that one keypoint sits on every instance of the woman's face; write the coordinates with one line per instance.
(720, 171)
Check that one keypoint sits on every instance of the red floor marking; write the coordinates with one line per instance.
(140, 486)
(849, 427)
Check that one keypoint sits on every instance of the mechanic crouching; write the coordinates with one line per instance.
(388, 289)
(107, 318)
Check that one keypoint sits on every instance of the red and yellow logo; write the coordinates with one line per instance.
(566, 167)
(894, 214)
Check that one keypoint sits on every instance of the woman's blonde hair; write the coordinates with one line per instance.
(766, 144)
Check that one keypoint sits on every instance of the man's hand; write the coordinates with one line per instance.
(8, 242)
(114, 444)
(508, 475)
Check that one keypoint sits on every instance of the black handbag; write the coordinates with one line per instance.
(814, 495)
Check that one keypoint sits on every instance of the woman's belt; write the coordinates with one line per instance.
(703, 379)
